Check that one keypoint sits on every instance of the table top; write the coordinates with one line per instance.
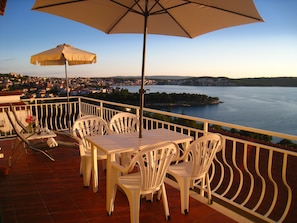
(127, 142)
(41, 135)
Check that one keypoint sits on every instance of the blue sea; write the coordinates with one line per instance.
(268, 108)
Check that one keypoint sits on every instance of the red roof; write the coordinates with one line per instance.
(10, 93)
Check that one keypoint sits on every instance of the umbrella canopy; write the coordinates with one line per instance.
(61, 55)
(185, 18)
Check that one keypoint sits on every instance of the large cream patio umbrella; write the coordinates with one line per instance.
(61, 55)
(185, 18)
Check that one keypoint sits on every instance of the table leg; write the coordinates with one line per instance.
(110, 184)
(94, 169)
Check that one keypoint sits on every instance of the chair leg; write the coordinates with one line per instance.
(208, 189)
(10, 162)
(184, 185)
(165, 202)
(134, 203)
(112, 197)
(15, 146)
(87, 170)
(43, 152)
(113, 191)
(202, 190)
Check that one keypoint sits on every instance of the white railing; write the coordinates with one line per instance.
(257, 179)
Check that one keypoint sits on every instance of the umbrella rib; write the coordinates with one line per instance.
(226, 10)
(57, 4)
(156, 2)
(165, 10)
(129, 9)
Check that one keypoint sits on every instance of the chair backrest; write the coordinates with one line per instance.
(153, 162)
(202, 151)
(124, 122)
(17, 132)
(16, 118)
(89, 125)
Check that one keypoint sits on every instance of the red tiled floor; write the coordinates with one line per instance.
(39, 190)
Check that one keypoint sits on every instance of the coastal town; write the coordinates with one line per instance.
(47, 87)
(40, 87)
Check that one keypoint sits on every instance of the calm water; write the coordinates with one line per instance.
(269, 108)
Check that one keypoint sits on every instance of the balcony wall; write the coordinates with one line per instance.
(252, 178)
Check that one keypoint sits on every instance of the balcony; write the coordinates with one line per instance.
(251, 180)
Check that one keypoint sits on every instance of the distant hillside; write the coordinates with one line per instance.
(278, 81)
(12, 80)
(224, 81)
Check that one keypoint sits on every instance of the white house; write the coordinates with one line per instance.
(7, 97)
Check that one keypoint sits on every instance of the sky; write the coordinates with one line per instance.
(264, 49)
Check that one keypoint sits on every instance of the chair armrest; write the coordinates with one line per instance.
(80, 144)
(181, 155)
(117, 167)
(77, 139)
(109, 131)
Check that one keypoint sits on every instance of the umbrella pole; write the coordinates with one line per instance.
(67, 94)
(142, 91)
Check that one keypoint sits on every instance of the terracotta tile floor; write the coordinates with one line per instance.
(39, 190)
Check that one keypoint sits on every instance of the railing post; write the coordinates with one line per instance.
(205, 127)
(137, 112)
(36, 109)
(101, 109)
(79, 106)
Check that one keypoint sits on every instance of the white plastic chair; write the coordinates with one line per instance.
(197, 160)
(152, 163)
(88, 125)
(124, 122)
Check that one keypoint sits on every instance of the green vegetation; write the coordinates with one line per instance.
(155, 100)
(286, 142)
(123, 96)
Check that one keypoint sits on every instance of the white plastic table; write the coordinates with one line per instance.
(127, 142)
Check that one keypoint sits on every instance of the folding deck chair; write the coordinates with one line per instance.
(22, 143)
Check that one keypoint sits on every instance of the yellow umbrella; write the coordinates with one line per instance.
(186, 18)
(61, 55)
